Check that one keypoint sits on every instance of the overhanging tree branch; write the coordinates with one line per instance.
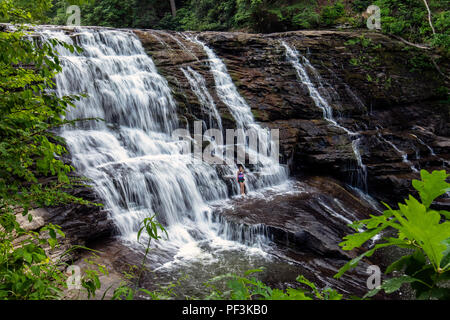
(419, 46)
(429, 16)
(423, 47)
(439, 69)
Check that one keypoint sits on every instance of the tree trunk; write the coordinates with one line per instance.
(429, 16)
(173, 7)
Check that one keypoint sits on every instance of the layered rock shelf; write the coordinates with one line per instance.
(379, 93)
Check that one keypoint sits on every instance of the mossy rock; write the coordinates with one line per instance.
(227, 116)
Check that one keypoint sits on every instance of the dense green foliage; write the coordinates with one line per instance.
(408, 19)
(31, 173)
(332, 13)
(250, 288)
(251, 15)
(420, 228)
(29, 110)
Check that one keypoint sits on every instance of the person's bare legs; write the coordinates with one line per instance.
(242, 187)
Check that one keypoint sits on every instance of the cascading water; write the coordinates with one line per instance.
(226, 90)
(362, 168)
(133, 162)
(445, 163)
(402, 153)
(198, 85)
(294, 57)
(269, 171)
(135, 165)
(426, 146)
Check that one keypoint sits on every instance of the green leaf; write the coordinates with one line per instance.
(424, 227)
(372, 293)
(394, 284)
(399, 264)
(52, 233)
(445, 262)
(52, 242)
(305, 281)
(431, 186)
(239, 291)
(249, 272)
(292, 294)
(354, 262)
(331, 294)
(445, 214)
(358, 239)
(27, 257)
(36, 270)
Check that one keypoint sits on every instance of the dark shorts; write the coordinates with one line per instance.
(241, 180)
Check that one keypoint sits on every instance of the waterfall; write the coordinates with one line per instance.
(362, 168)
(226, 90)
(293, 57)
(426, 145)
(134, 164)
(445, 163)
(268, 170)
(401, 152)
(301, 67)
(198, 86)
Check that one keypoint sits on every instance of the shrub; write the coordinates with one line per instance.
(330, 14)
(418, 227)
(250, 288)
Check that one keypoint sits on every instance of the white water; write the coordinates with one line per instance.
(401, 152)
(226, 90)
(301, 67)
(134, 164)
(426, 145)
(368, 199)
(198, 86)
(362, 168)
(445, 163)
(294, 57)
(269, 171)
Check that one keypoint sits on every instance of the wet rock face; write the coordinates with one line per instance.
(312, 218)
(81, 224)
(171, 52)
(307, 224)
(370, 83)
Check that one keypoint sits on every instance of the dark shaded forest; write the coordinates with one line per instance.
(416, 20)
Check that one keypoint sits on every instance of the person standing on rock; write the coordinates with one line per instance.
(241, 179)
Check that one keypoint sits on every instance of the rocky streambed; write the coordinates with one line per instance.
(304, 226)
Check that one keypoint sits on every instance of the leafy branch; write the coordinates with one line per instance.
(418, 227)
